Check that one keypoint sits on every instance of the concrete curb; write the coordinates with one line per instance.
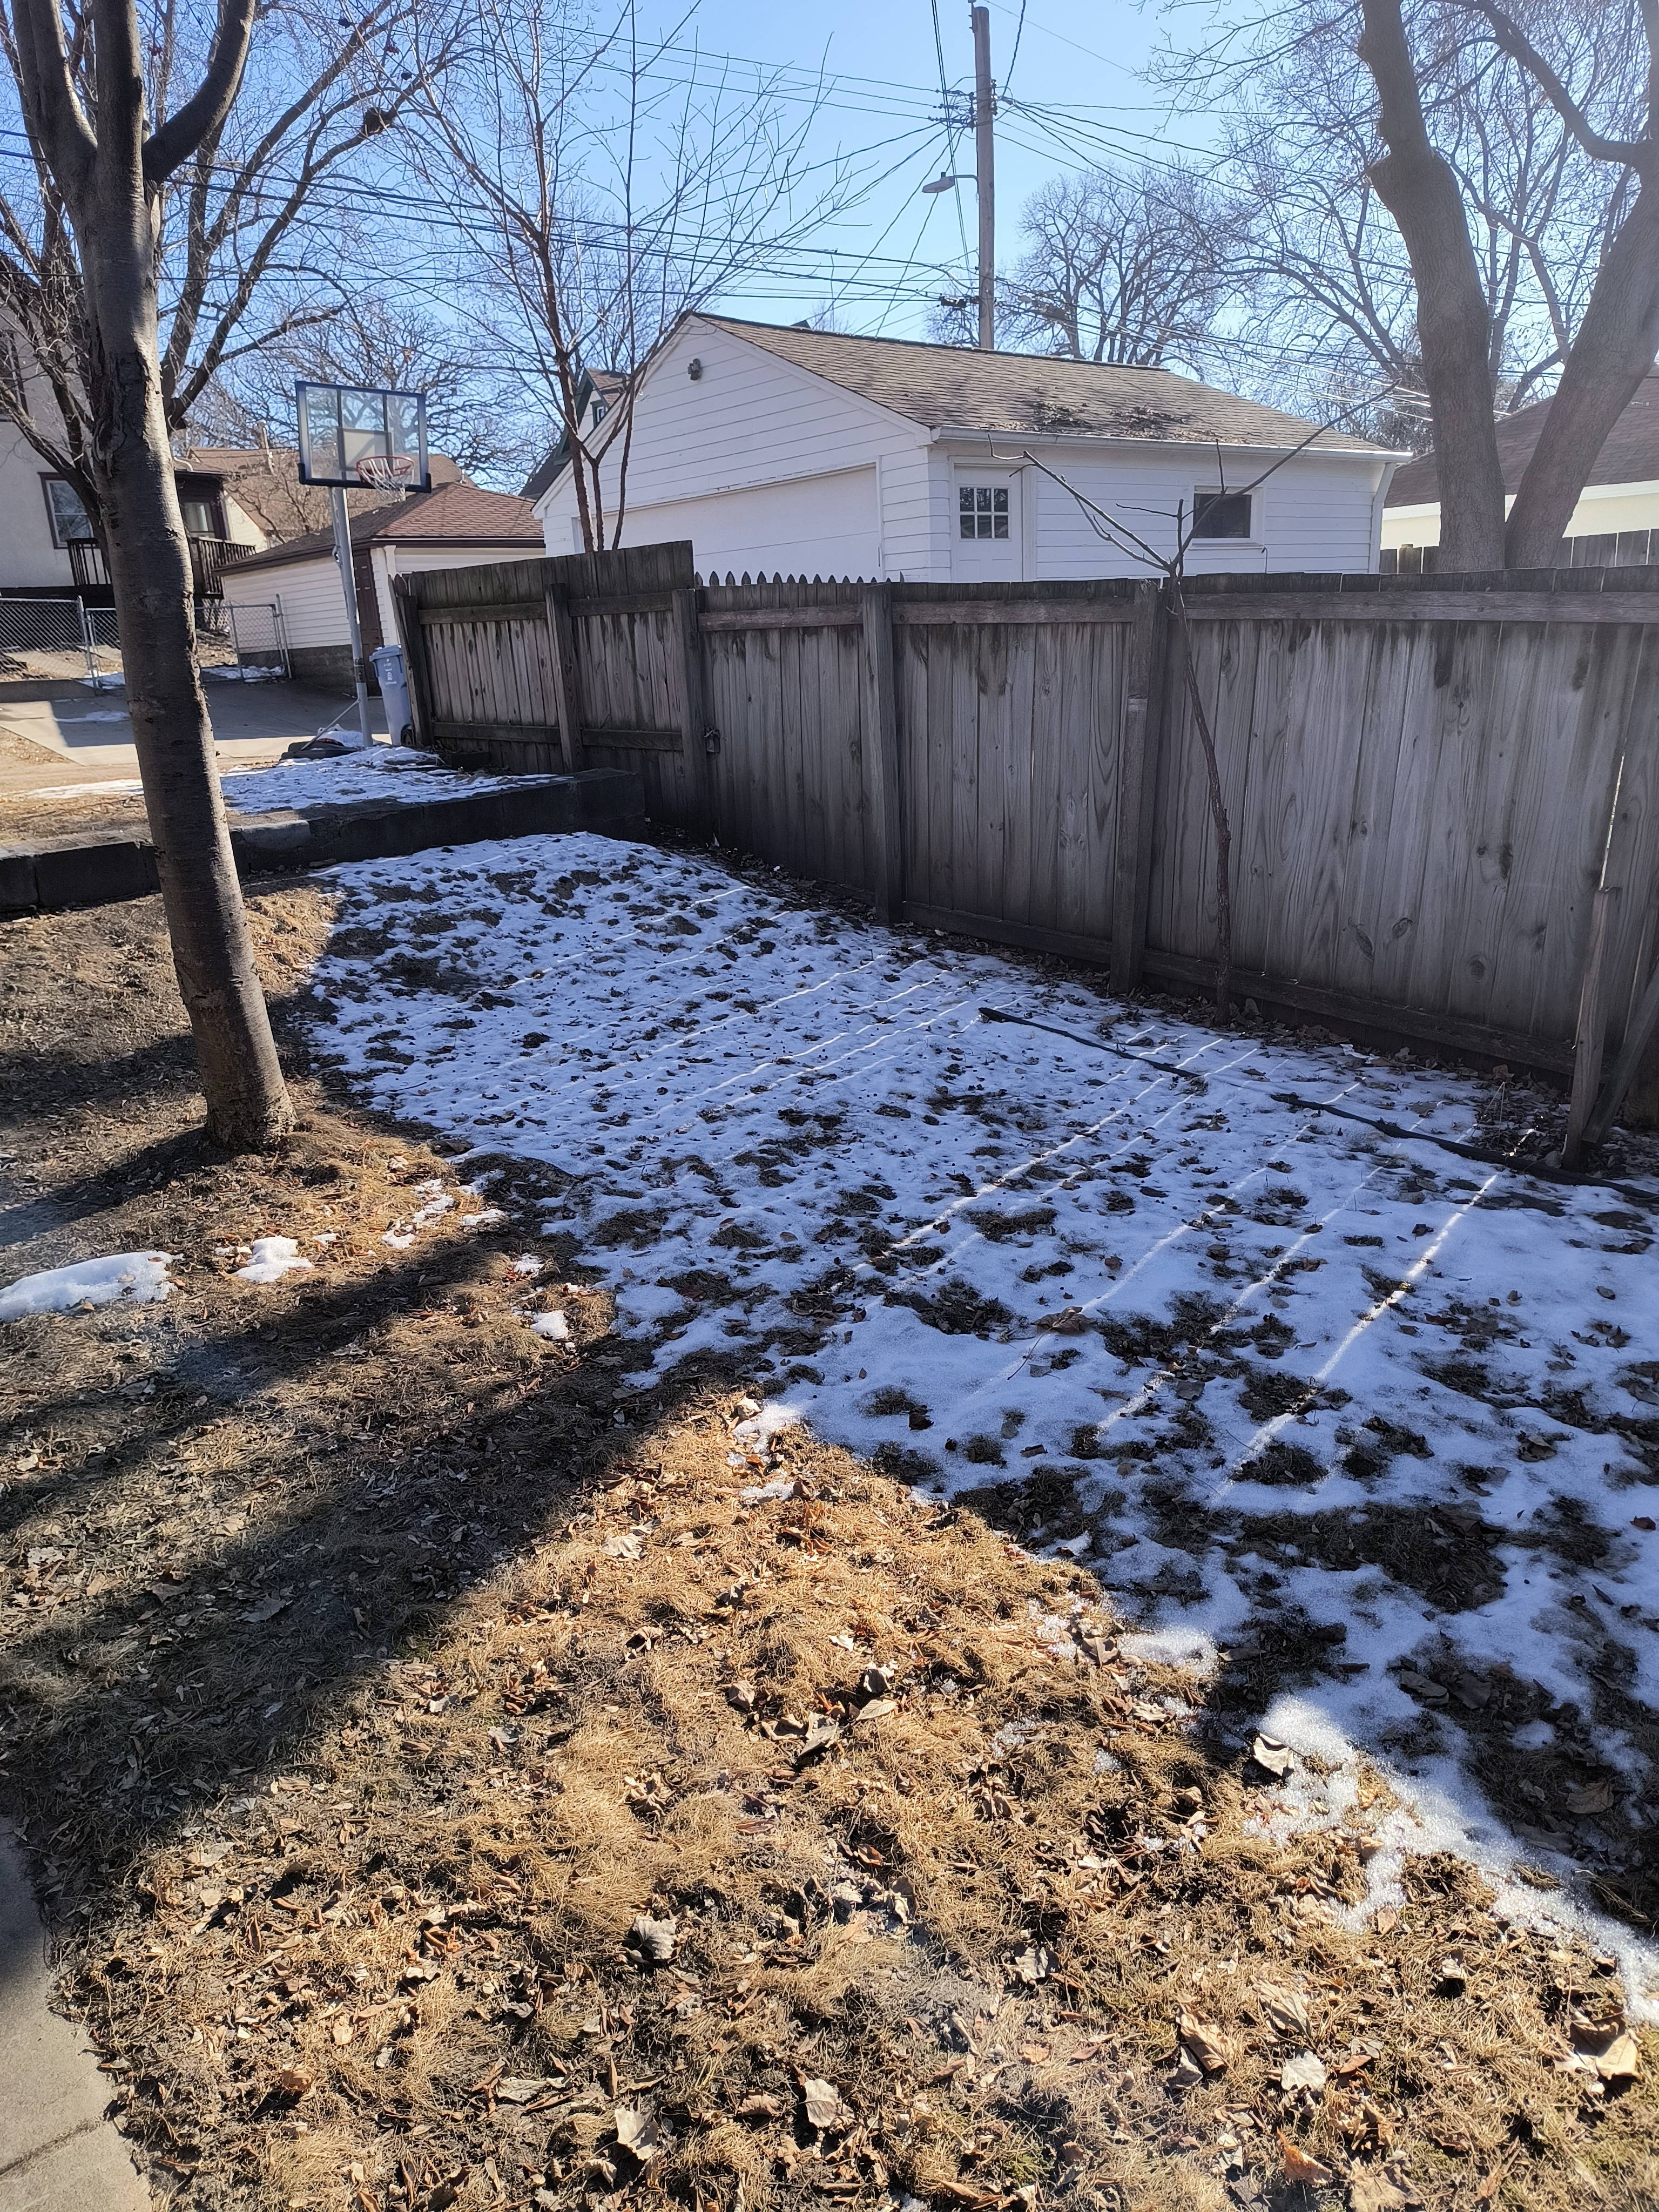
(67, 872)
(59, 2152)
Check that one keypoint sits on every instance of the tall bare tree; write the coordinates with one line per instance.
(1452, 199)
(605, 194)
(251, 239)
(1130, 266)
(381, 341)
(106, 160)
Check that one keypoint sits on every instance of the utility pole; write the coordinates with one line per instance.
(984, 163)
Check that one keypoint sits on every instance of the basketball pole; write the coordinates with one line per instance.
(349, 585)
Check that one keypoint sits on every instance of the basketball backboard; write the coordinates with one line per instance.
(356, 436)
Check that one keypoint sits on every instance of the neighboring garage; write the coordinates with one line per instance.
(456, 526)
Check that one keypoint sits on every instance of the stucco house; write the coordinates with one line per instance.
(1614, 524)
(452, 527)
(809, 453)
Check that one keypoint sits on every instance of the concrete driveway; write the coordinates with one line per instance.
(54, 735)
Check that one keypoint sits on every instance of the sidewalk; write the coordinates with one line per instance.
(69, 734)
(57, 2152)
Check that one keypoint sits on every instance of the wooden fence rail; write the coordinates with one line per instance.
(1423, 779)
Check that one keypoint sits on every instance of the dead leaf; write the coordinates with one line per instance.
(761, 2108)
(1033, 2053)
(1187, 2074)
(652, 1941)
(1272, 1757)
(1373, 2191)
(292, 2081)
(628, 1546)
(342, 2032)
(1305, 2071)
(1203, 2040)
(1285, 2010)
(1620, 2060)
(824, 2108)
(1298, 2167)
(519, 2088)
(877, 1710)
(637, 2131)
(1423, 1686)
(821, 1733)
(1594, 1797)
(1645, 1522)
(1032, 1965)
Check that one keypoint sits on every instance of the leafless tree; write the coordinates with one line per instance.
(251, 233)
(1119, 266)
(1449, 203)
(607, 191)
(103, 159)
(372, 340)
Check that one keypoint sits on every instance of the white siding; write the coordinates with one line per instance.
(28, 559)
(914, 546)
(749, 422)
(405, 557)
(1600, 508)
(314, 605)
(1314, 513)
(824, 526)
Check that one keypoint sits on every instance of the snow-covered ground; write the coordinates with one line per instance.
(1367, 1428)
(397, 773)
(139, 1278)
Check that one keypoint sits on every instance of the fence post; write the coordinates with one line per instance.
(567, 689)
(690, 701)
(881, 748)
(1144, 690)
(406, 611)
(88, 642)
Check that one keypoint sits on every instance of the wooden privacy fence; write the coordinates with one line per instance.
(1427, 783)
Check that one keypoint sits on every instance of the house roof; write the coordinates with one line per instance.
(600, 384)
(457, 515)
(1629, 454)
(956, 387)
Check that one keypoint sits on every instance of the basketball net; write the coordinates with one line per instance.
(386, 472)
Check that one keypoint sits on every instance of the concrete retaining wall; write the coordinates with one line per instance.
(71, 871)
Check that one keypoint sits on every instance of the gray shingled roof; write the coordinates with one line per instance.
(953, 387)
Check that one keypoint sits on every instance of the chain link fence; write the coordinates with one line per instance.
(56, 637)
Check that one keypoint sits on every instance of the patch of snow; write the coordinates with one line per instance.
(139, 1278)
(98, 714)
(399, 773)
(1239, 1332)
(402, 1234)
(112, 788)
(553, 1325)
(527, 1264)
(270, 1259)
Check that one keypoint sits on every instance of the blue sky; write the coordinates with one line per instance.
(1075, 62)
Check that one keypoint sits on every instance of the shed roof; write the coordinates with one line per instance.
(453, 514)
(958, 387)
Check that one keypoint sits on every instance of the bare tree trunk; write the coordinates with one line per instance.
(1418, 187)
(247, 1103)
(1611, 354)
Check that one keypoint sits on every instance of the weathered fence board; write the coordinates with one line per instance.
(1418, 780)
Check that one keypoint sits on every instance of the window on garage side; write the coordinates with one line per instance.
(1218, 514)
(982, 511)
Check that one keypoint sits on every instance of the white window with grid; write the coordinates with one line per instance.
(981, 510)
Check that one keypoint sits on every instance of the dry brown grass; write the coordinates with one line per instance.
(378, 1666)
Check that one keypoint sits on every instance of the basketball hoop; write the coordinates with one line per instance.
(362, 438)
(386, 472)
